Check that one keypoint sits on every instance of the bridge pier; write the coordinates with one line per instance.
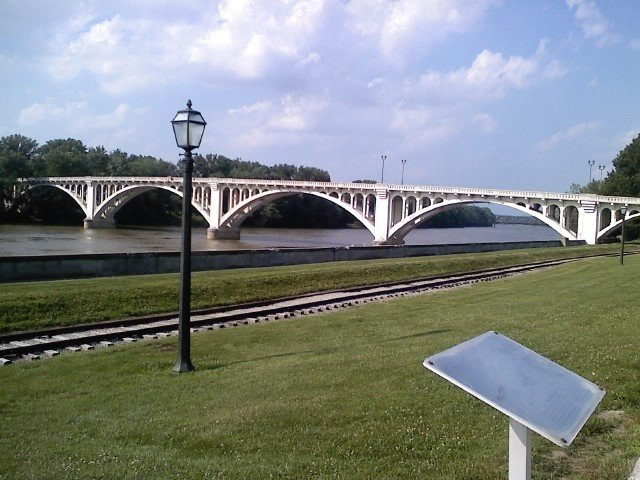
(93, 223)
(588, 221)
(379, 243)
(223, 233)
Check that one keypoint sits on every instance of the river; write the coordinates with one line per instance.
(60, 240)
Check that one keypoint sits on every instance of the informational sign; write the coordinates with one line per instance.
(538, 393)
(535, 393)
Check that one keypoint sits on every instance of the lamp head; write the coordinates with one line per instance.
(188, 128)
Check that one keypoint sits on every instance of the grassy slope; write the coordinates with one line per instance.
(42, 304)
(335, 396)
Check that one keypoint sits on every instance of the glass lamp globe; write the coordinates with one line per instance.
(188, 128)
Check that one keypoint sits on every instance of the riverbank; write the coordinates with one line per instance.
(51, 267)
(31, 305)
(334, 396)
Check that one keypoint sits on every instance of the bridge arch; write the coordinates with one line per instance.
(79, 199)
(237, 214)
(616, 224)
(402, 229)
(107, 209)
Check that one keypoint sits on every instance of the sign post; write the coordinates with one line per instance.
(535, 393)
(519, 451)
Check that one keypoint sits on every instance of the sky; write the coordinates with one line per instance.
(481, 93)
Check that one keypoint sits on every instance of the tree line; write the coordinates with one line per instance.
(623, 180)
(22, 157)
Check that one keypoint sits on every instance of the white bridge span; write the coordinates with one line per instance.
(389, 212)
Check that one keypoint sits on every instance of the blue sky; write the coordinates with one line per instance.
(482, 93)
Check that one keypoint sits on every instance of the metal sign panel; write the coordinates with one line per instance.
(531, 389)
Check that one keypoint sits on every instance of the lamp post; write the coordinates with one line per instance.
(383, 157)
(591, 164)
(188, 127)
(403, 163)
(601, 168)
(623, 211)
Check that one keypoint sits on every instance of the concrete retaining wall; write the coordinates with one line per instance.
(51, 267)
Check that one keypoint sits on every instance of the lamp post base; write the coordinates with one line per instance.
(183, 365)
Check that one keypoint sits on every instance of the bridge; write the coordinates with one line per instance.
(389, 212)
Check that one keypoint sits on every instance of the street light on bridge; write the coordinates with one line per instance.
(188, 128)
(591, 164)
(383, 157)
(403, 164)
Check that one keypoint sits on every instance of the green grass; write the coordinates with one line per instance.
(34, 305)
(341, 396)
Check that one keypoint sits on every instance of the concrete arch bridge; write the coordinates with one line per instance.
(389, 212)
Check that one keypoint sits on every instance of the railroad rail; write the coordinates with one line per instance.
(36, 344)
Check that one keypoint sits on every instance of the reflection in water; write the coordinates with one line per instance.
(54, 240)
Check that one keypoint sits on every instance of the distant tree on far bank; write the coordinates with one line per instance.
(462, 216)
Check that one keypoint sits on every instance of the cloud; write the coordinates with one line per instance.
(252, 40)
(290, 119)
(567, 135)
(421, 126)
(635, 44)
(249, 38)
(245, 39)
(49, 112)
(593, 23)
(76, 118)
(490, 76)
(401, 27)
(118, 52)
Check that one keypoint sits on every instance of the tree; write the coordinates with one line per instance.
(61, 158)
(117, 163)
(97, 160)
(624, 179)
(147, 166)
(16, 152)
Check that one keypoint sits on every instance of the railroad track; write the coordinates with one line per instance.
(33, 345)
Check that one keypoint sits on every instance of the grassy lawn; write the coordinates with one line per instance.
(343, 395)
(33, 305)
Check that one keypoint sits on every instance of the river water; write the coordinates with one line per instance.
(55, 240)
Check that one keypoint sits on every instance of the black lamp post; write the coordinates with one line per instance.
(403, 164)
(623, 211)
(383, 157)
(591, 164)
(188, 127)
